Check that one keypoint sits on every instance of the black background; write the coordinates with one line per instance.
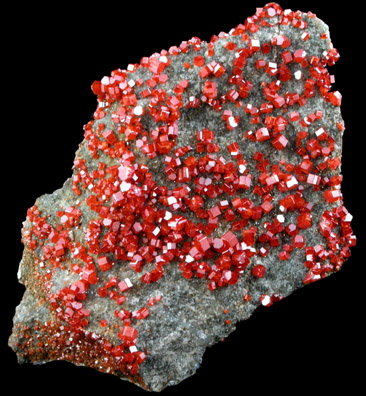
(312, 340)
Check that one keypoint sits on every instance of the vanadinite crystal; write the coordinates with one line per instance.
(208, 183)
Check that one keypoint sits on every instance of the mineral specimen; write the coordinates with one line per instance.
(208, 184)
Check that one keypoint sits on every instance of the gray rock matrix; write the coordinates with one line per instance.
(190, 317)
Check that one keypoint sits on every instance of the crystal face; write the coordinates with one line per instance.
(209, 168)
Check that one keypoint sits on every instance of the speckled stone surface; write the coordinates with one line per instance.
(190, 317)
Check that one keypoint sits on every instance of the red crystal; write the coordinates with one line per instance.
(332, 196)
(287, 57)
(262, 134)
(230, 238)
(259, 271)
(249, 236)
(128, 333)
(335, 98)
(125, 285)
(280, 142)
(199, 61)
(298, 241)
(304, 220)
(210, 89)
(104, 264)
(300, 55)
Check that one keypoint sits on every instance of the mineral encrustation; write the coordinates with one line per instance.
(207, 184)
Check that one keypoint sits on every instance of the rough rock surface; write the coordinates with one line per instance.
(208, 183)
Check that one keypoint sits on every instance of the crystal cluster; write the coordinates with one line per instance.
(208, 183)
